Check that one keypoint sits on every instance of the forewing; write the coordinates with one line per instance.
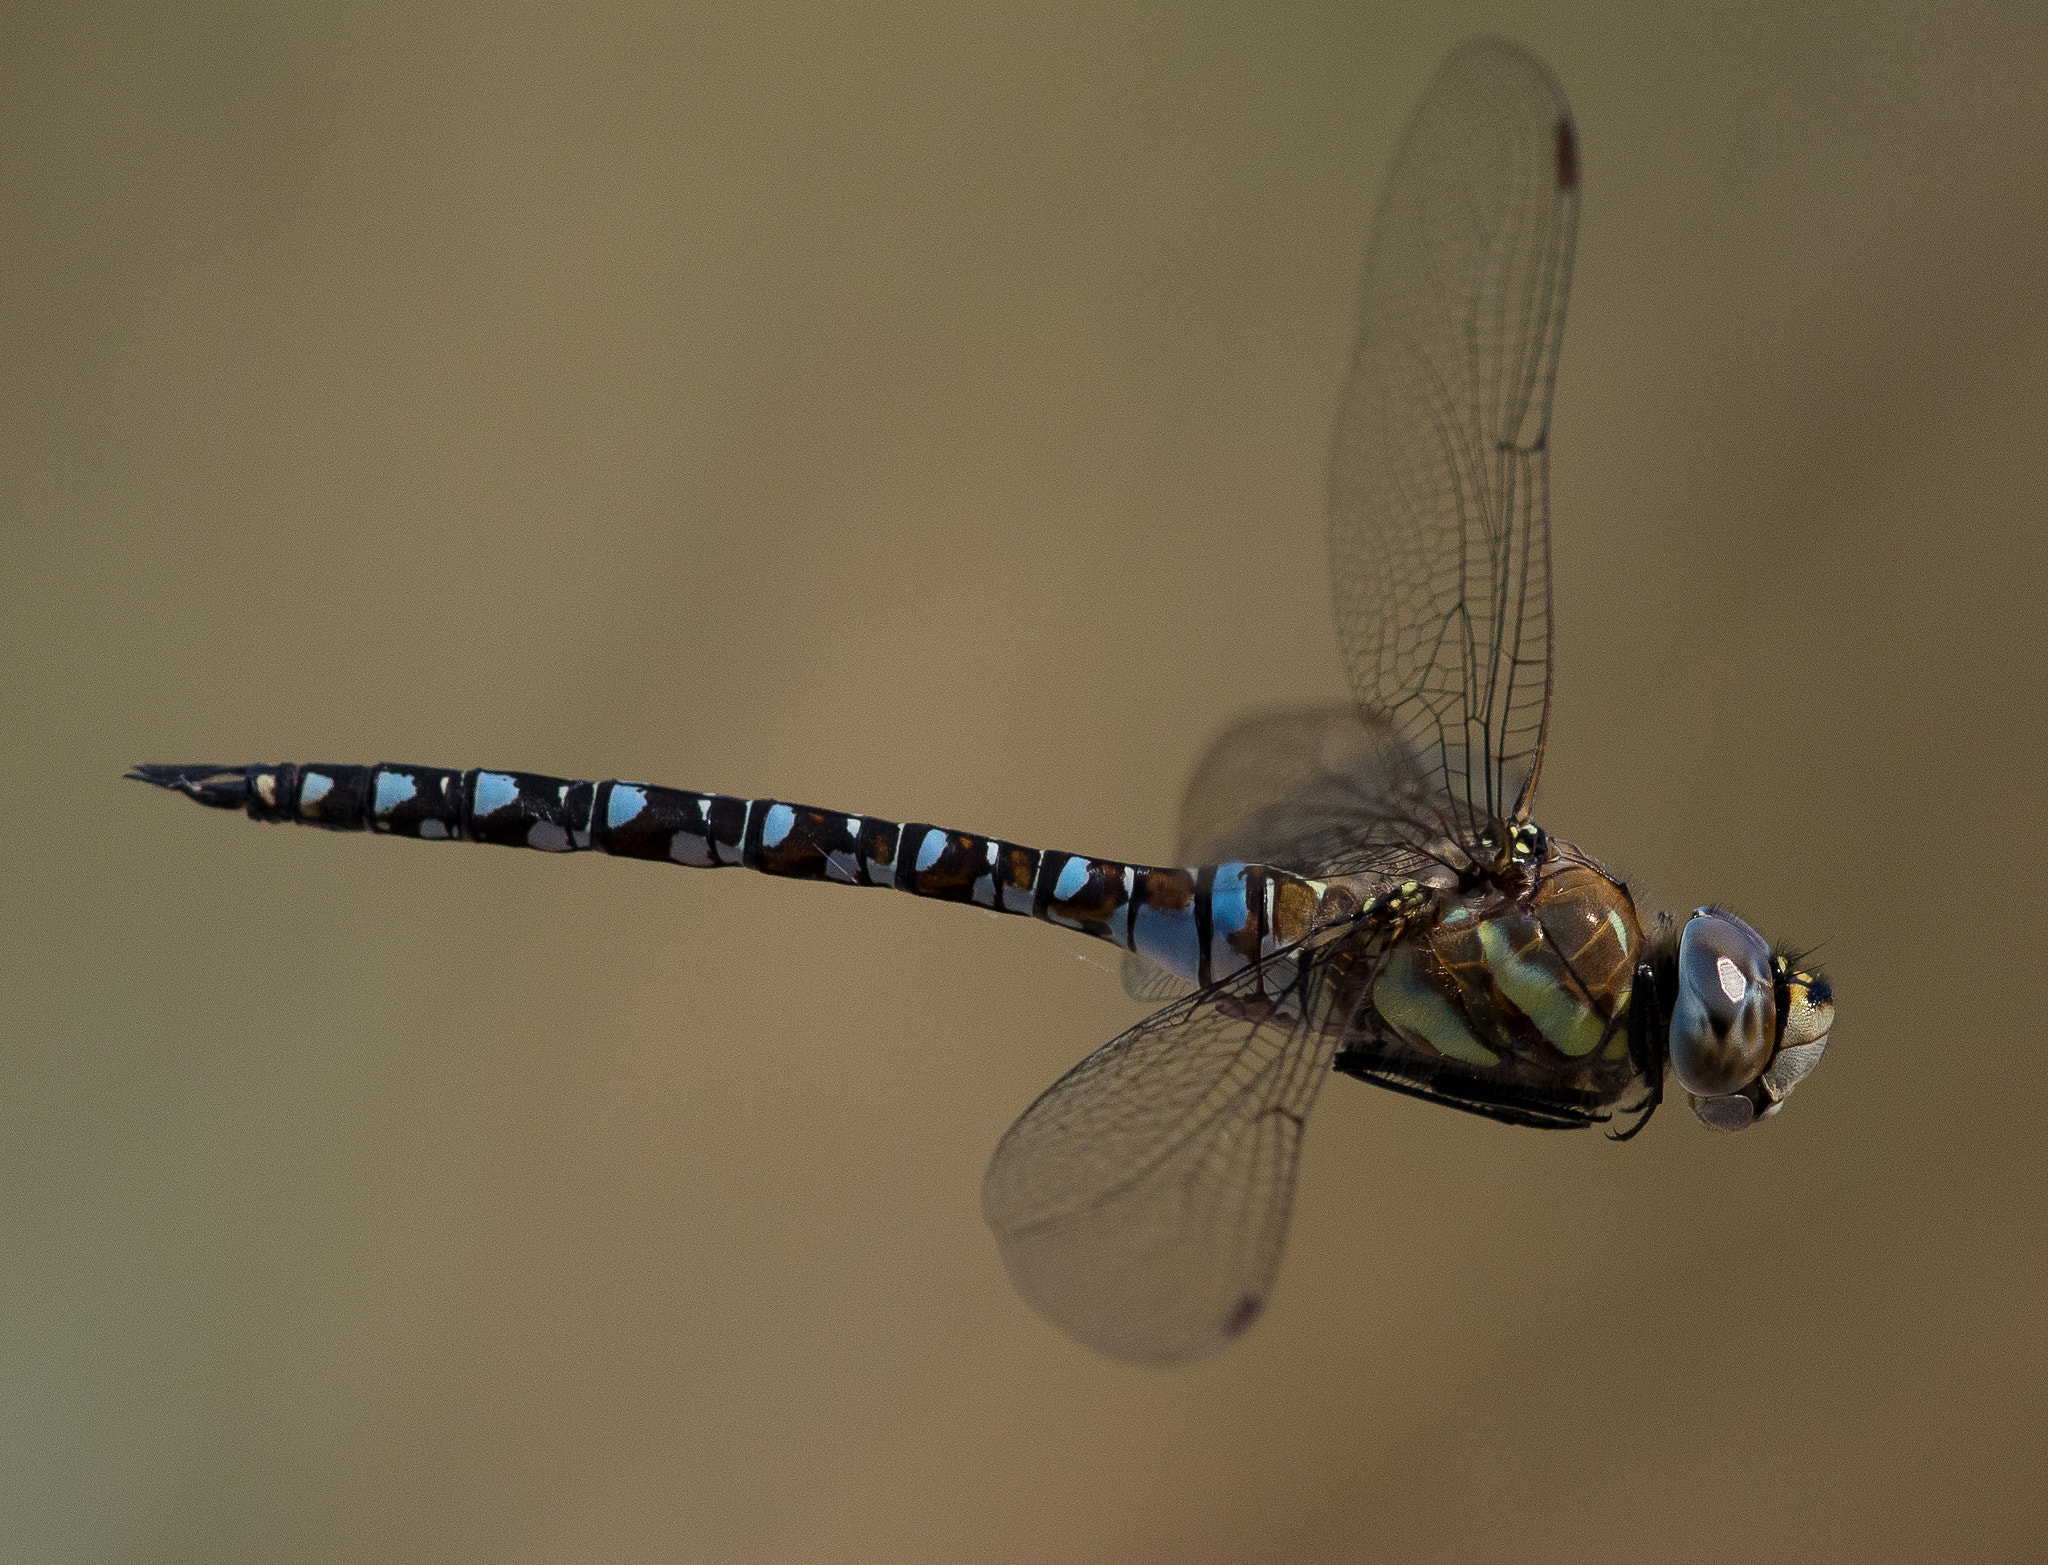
(1142, 1202)
(1439, 487)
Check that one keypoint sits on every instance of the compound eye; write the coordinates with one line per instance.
(1725, 1021)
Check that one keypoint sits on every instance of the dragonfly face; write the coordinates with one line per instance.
(1747, 1026)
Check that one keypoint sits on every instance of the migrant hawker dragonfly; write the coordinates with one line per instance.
(1360, 889)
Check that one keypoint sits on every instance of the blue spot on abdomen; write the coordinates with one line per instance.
(626, 804)
(494, 790)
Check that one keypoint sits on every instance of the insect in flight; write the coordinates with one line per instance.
(1362, 888)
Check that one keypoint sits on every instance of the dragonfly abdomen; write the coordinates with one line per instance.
(1198, 923)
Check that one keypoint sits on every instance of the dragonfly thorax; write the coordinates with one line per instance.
(1505, 856)
(1518, 977)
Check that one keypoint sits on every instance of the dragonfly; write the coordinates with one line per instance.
(1361, 890)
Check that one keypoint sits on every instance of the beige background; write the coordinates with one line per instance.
(922, 411)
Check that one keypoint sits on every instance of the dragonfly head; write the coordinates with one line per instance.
(1748, 1025)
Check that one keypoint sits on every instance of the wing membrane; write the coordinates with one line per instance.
(1439, 486)
(1315, 790)
(1152, 985)
(1142, 1202)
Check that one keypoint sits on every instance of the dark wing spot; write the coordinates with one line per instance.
(1567, 156)
(1249, 1308)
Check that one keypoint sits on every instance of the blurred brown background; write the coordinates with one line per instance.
(908, 409)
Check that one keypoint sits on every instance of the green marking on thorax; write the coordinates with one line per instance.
(1404, 997)
(1569, 1024)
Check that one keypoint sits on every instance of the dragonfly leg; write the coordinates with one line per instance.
(1645, 1048)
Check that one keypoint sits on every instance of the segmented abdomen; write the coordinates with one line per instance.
(1201, 924)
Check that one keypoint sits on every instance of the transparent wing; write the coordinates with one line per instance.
(1152, 985)
(1316, 790)
(1142, 1202)
(1439, 484)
